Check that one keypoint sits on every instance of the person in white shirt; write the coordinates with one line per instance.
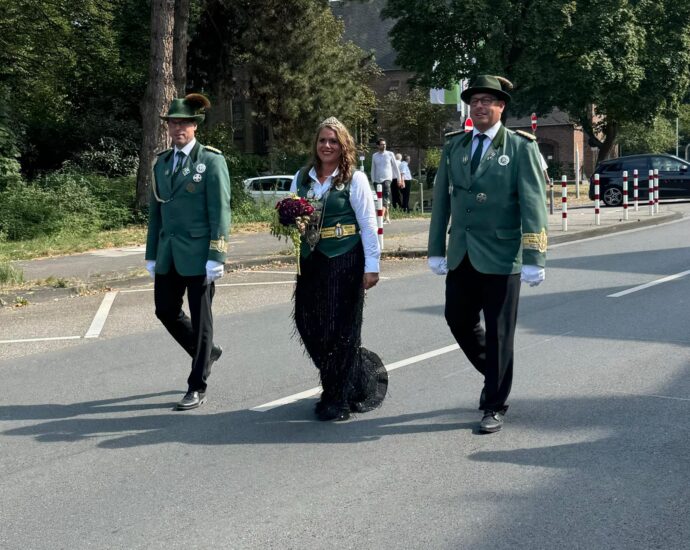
(407, 182)
(383, 170)
(335, 271)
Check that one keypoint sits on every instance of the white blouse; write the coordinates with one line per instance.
(362, 202)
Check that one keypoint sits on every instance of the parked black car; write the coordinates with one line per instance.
(674, 177)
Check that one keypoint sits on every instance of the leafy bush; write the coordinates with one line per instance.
(110, 157)
(27, 211)
(65, 201)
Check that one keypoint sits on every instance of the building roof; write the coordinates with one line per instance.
(364, 27)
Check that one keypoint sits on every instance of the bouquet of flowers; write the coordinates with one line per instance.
(292, 217)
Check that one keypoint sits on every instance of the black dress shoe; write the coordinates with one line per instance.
(332, 411)
(216, 352)
(191, 400)
(492, 421)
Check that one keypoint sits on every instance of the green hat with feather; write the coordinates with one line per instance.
(191, 106)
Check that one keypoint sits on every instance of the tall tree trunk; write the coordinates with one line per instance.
(160, 91)
(180, 44)
(606, 147)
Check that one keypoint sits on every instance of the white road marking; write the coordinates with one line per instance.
(101, 315)
(651, 395)
(49, 339)
(649, 284)
(317, 390)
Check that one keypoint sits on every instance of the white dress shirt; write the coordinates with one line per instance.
(362, 202)
(490, 134)
(186, 150)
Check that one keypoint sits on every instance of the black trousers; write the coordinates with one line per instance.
(406, 195)
(395, 194)
(468, 293)
(195, 335)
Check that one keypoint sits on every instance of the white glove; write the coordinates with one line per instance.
(151, 268)
(438, 265)
(214, 270)
(532, 274)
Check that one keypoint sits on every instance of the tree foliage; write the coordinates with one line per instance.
(289, 58)
(605, 62)
(412, 121)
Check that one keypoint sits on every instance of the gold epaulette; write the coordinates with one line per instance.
(454, 133)
(535, 241)
(163, 152)
(526, 135)
(212, 149)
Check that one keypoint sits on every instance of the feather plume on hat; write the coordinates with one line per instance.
(197, 101)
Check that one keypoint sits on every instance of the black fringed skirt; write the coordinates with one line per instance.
(329, 303)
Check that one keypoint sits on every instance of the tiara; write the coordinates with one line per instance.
(331, 121)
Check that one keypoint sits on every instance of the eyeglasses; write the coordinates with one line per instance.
(485, 101)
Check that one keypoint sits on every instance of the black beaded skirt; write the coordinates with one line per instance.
(329, 305)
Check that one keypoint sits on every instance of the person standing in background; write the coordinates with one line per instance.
(407, 182)
(383, 170)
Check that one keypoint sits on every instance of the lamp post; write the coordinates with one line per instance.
(361, 162)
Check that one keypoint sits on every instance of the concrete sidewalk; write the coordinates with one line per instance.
(405, 237)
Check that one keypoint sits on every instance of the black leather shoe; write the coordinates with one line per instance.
(332, 411)
(492, 421)
(191, 400)
(216, 352)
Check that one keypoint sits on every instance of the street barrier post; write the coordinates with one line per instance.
(597, 216)
(625, 194)
(564, 203)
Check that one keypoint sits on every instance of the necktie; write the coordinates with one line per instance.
(477, 156)
(180, 161)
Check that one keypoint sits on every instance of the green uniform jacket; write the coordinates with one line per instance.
(189, 213)
(498, 216)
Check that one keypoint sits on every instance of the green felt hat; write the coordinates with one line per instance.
(191, 106)
(489, 84)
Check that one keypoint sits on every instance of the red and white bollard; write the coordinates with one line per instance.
(635, 190)
(597, 216)
(564, 203)
(656, 190)
(625, 194)
(651, 192)
(379, 213)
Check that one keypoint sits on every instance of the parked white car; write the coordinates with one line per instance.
(268, 189)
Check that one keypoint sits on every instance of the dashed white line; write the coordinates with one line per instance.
(101, 315)
(649, 284)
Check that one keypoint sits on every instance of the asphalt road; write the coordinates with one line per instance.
(594, 453)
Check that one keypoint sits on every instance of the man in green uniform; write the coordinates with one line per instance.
(490, 188)
(189, 220)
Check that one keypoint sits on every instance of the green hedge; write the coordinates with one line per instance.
(65, 201)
